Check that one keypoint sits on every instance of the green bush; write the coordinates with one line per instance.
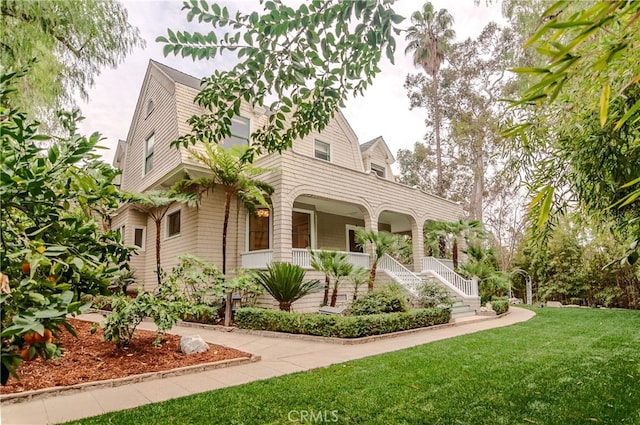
(433, 295)
(388, 299)
(339, 326)
(500, 306)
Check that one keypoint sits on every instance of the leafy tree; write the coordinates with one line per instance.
(381, 243)
(155, 204)
(285, 283)
(310, 59)
(53, 248)
(429, 37)
(71, 41)
(469, 90)
(578, 134)
(230, 170)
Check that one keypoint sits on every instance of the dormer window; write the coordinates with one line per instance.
(378, 169)
(322, 150)
(240, 132)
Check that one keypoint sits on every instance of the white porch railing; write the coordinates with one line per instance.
(467, 288)
(257, 259)
(302, 258)
(400, 274)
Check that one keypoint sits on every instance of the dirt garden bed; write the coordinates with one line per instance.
(89, 358)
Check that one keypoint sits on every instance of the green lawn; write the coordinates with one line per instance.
(564, 366)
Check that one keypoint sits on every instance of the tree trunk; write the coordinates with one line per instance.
(478, 187)
(285, 306)
(436, 122)
(372, 277)
(454, 254)
(334, 295)
(158, 230)
(442, 246)
(225, 225)
(327, 282)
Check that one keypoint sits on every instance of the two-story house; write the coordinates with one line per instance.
(326, 186)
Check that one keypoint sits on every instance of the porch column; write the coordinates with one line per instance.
(281, 244)
(417, 237)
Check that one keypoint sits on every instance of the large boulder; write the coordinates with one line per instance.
(193, 344)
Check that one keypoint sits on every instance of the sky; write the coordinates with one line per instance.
(382, 111)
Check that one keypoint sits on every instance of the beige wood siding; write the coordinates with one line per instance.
(345, 150)
(161, 122)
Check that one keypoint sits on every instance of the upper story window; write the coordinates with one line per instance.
(378, 169)
(121, 231)
(148, 154)
(240, 132)
(173, 224)
(322, 150)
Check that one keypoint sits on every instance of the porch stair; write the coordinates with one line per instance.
(459, 309)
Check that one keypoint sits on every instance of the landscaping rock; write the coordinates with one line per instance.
(554, 304)
(193, 344)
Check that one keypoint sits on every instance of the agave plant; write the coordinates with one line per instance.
(285, 282)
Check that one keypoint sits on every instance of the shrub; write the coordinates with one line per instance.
(500, 306)
(165, 307)
(285, 283)
(339, 326)
(388, 299)
(433, 295)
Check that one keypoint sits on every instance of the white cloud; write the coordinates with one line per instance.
(384, 109)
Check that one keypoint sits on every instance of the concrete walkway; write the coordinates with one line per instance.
(280, 356)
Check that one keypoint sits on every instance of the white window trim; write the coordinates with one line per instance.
(144, 237)
(250, 121)
(246, 233)
(145, 157)
(166, 226)
(346, 231)
(122, 229)
(329, 150)
(381, 167)
(312, 225)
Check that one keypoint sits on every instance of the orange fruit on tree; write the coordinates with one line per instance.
(51, 279)
(48, 336)
(37, 338)
(26, 268)
(24, 353)
(29, 338)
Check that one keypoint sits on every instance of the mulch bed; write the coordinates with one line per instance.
(89, 358)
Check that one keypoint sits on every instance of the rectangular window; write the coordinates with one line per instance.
(173, 224)
(322, 150)
(259, 230)
(138, 237)
(148, 154)
(378, 169)
(240, 132)
(300, 230)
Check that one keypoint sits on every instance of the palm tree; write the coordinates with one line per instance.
(428, 38)
(284, 281)
(435, 234)
(359, 276)
(321, 261)
(155, 204)
(382, 243)
(231, 171)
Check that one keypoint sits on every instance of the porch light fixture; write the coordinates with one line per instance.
(263, 212)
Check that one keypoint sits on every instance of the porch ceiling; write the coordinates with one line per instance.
(331, 207)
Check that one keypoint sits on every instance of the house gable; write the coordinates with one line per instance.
(155, 116)
(377, 157)
(342, 141)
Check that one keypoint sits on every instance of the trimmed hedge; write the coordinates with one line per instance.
(500, 306)
(339, 326)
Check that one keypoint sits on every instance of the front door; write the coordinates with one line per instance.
(301, 229)
(352, 245)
